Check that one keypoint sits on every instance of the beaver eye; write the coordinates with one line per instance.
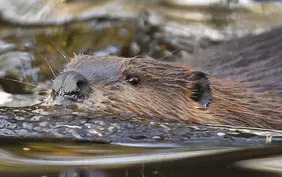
(133, 80)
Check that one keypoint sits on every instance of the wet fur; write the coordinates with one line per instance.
(241, 96)
(248, 70)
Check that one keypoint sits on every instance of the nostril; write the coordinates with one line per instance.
(71, 83)
(83, 87)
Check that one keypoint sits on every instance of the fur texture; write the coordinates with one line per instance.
(166, 90)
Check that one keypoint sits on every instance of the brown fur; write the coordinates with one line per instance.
(236, 104)
(165, 89)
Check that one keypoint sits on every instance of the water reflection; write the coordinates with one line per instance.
(69, 159)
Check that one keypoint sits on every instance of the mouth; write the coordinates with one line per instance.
(71, 96)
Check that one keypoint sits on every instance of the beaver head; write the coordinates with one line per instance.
(145, 87)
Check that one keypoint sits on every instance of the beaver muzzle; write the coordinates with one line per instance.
(71, 84)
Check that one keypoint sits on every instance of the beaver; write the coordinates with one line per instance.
(232, 88)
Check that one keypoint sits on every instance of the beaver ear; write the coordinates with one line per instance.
(201, 91)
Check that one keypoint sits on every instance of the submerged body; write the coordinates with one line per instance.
(174, 92)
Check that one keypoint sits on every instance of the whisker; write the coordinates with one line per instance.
(19, 81)
(42, 91)
(53, 72)
(169, 54)
(140, 55)
(62, 52)
(198, 65)
(137, 56)
(30, 55)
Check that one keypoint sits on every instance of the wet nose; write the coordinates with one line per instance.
(71, 83)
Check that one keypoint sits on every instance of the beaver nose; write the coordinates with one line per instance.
(71, 83)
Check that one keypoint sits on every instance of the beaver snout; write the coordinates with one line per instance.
(71, 84)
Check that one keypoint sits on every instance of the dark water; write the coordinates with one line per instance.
(54, 158)
(34, 54)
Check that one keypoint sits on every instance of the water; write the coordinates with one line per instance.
(44, 158)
